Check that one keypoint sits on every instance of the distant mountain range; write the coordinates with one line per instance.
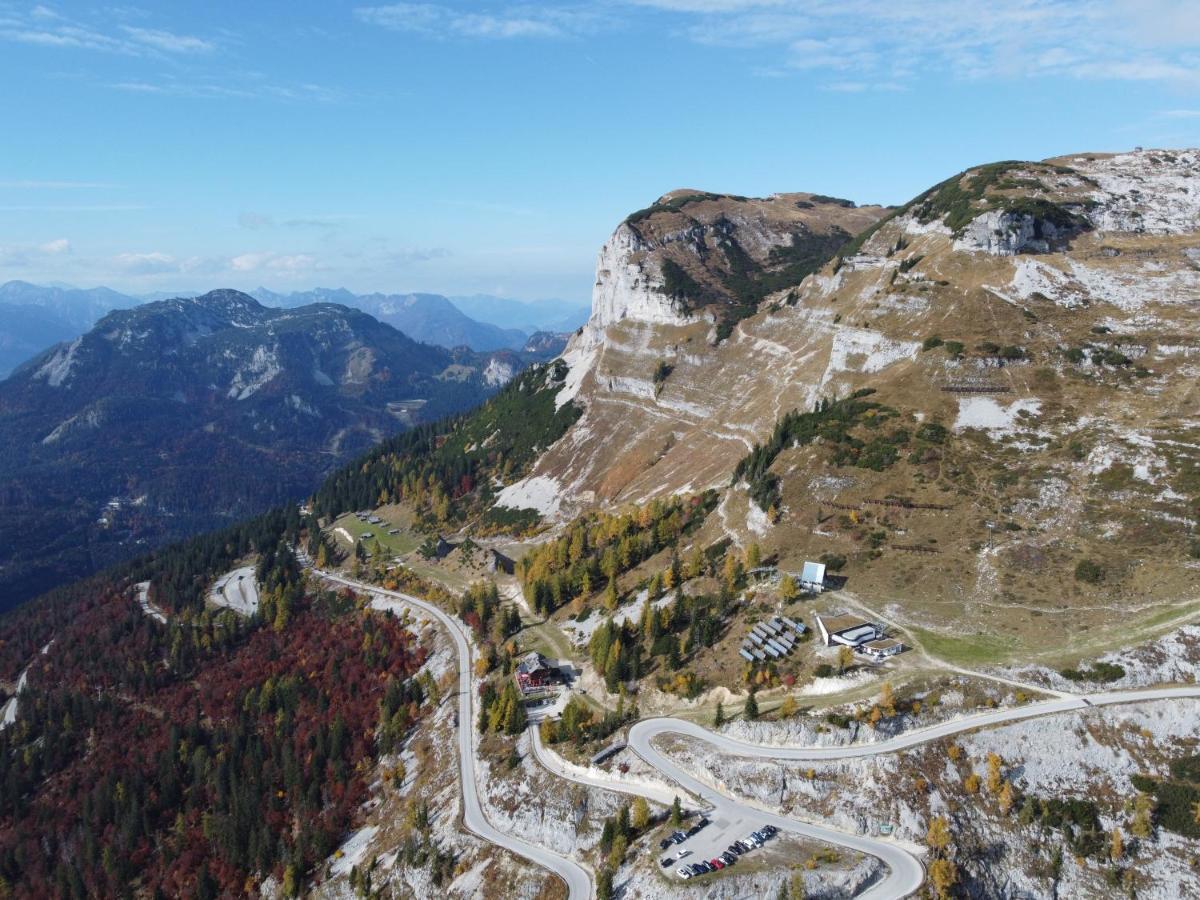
(531, 316)
(33, 317)
(177, 416)
(424, 317)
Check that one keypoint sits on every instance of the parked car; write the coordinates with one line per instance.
(665, 843)
(679, 837)
(683, 853)
(694, 830)
(684, 872)
(665, 862)
(728, 858)
(716, 863)
(771, 830)
(703, 821)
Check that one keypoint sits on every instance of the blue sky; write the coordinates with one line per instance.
(486, 147)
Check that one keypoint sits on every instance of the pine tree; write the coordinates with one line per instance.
(607, 835)
(719, 716)
(750, 710)
(604, 884)
(611, 598)
(676, 813)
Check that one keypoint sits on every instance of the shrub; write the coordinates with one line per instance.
(661, 372)
(931, 342)
(1186, 768)
(1144, 783)
(1176, 803)
(824, 670)
(834, 562)
(1101, 671)
(933, 433)
(1089, 571)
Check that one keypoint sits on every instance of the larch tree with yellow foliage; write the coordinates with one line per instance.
(995, 776)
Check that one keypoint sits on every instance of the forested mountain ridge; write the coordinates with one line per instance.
(194, 756)
(177, 416)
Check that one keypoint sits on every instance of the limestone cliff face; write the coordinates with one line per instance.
(629, 284)
(1043, 314)
(1031, 332)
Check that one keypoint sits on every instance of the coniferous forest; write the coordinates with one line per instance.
(195, 757)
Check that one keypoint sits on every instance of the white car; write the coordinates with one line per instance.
(683, 853)
(683, 872)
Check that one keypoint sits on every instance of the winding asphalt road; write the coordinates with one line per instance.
(576, 877)
(906, 873)
(642, 732)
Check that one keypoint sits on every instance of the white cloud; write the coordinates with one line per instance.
(274, 262)
(146, 263)
(705, 6)
(882, 41)
(409, 255)
(167, 41)
(516, 21)
(224, 89)
(24, 255)
(47, 28)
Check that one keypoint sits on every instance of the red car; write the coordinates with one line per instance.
(716, 863)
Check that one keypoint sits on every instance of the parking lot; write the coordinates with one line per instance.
(710, 842)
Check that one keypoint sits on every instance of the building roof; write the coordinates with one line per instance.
(531, 662)
(813, 573)
(858, 635)
(883, 644)
(838, 624)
